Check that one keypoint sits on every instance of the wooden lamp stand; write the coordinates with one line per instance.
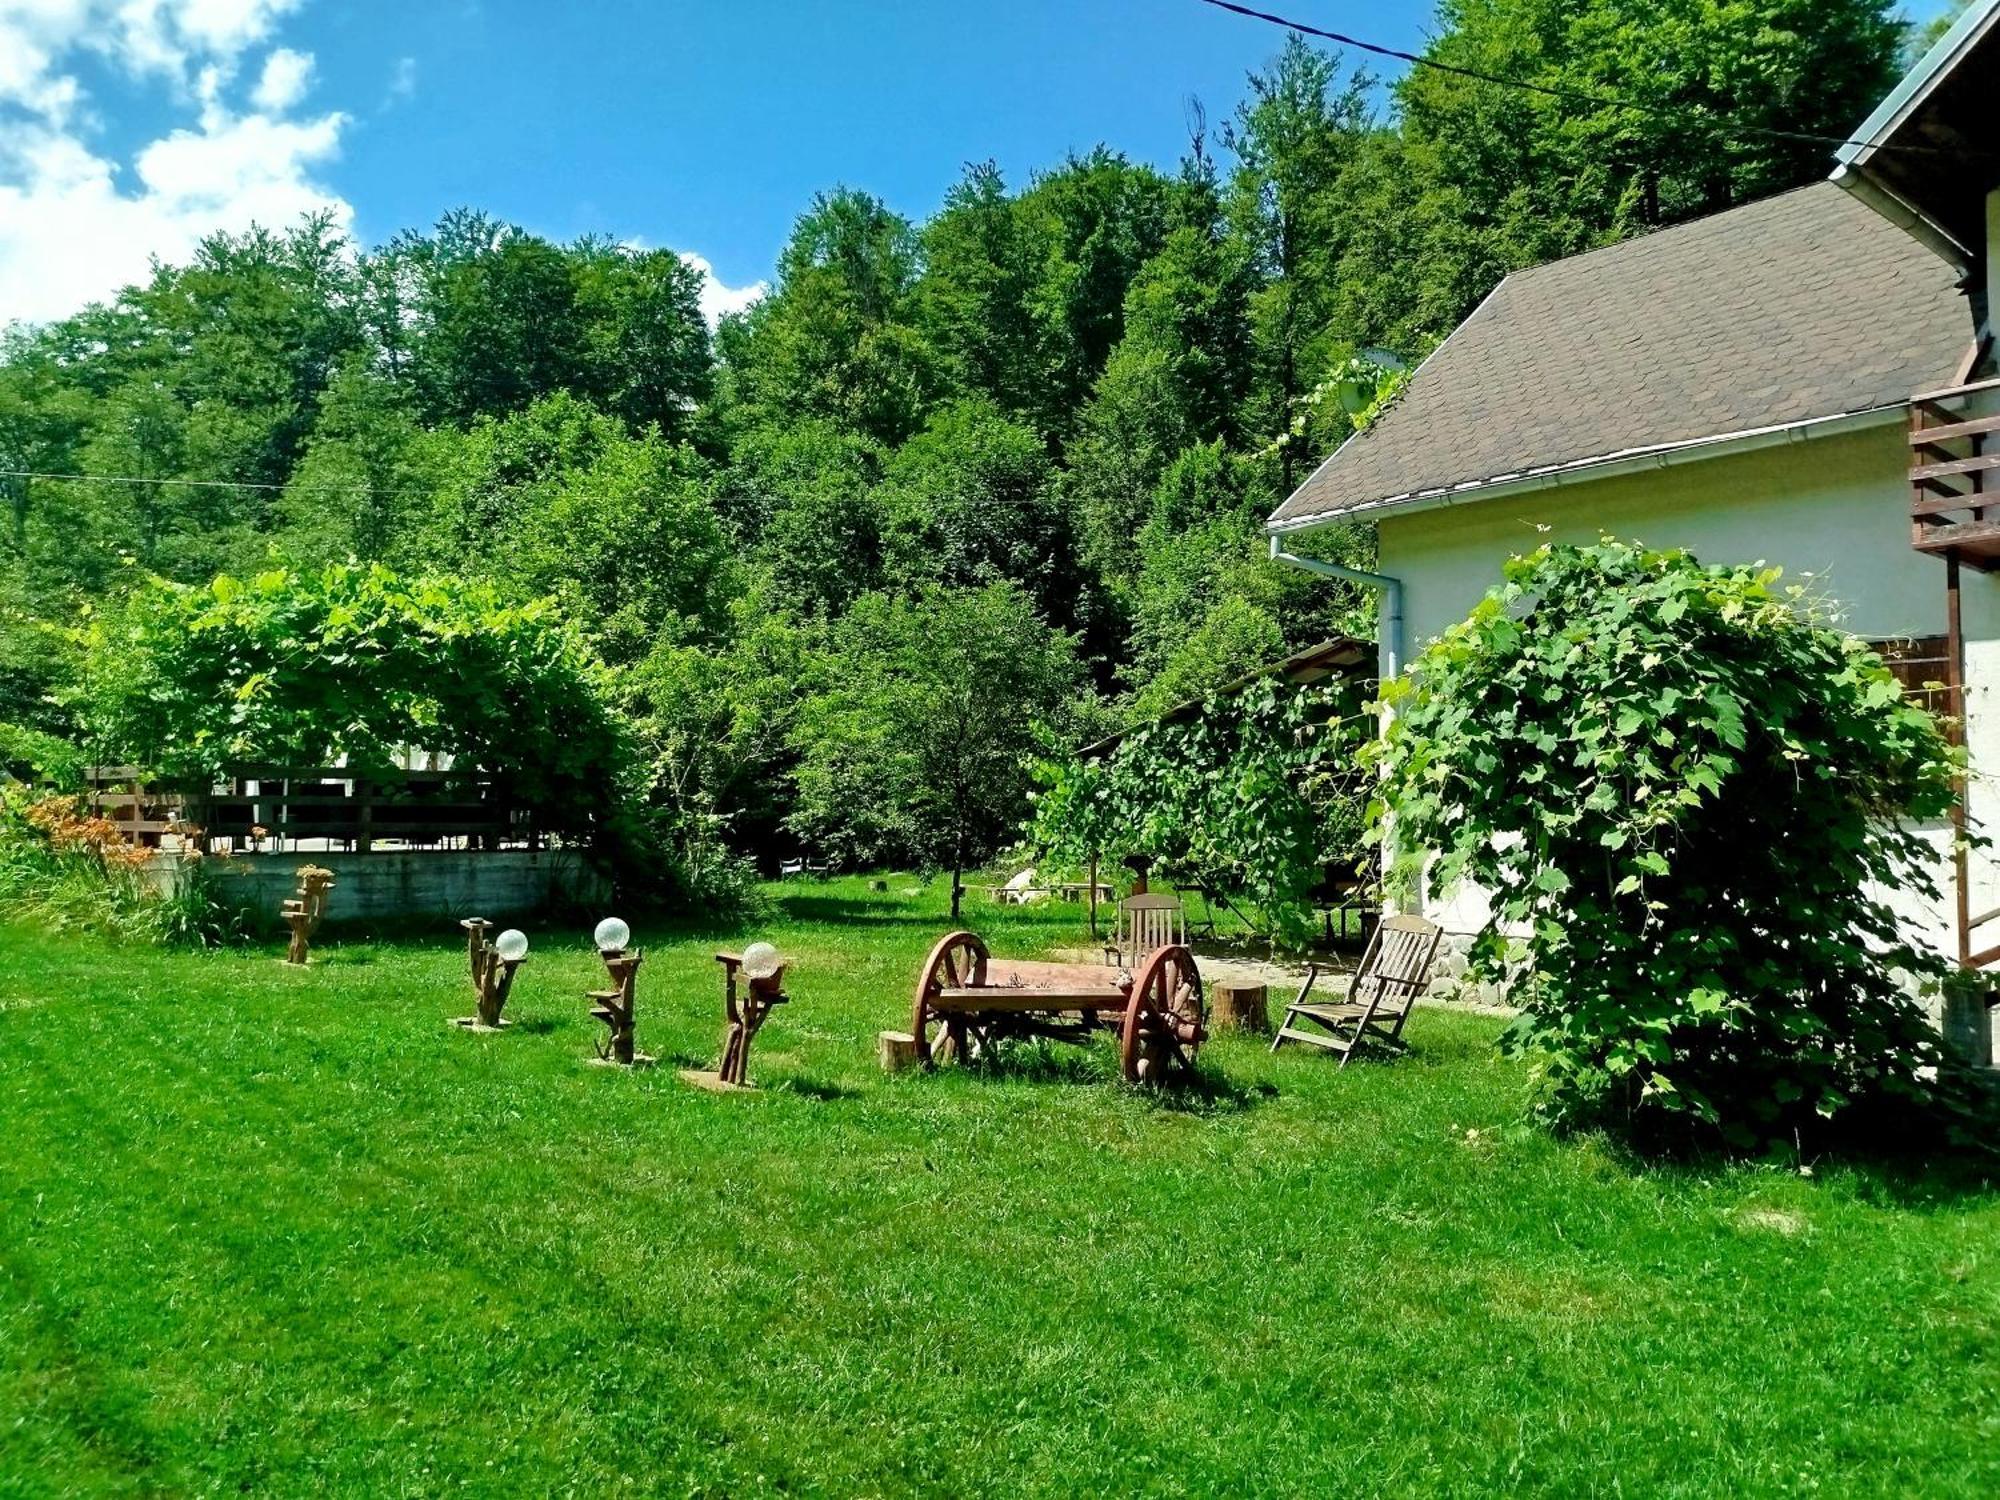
(304, 911)
(492, 977)
(746, 1010)
(615, 1007)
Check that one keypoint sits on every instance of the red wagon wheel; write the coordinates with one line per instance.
(957, 962)
(1163, 1020)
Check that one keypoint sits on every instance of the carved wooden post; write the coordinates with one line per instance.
(746, 1008)
(492, 975)
(616, 1007)
(303, 912)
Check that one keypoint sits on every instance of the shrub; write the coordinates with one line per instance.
(1684, 791)
(67, 869)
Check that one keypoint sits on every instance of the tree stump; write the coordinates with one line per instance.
(1241, 1006)
(897, 1050)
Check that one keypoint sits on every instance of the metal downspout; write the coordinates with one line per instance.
(1389, 615)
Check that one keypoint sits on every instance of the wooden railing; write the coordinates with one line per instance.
(268, 807)
(1952, 455)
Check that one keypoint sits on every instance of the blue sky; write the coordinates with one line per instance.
(131, 127)
(707, 126)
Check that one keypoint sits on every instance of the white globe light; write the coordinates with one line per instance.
(511, 945)
(761, 961)
(612, 935)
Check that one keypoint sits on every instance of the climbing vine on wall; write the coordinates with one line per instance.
(1685, 792)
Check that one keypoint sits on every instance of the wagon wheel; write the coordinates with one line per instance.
(1163, 1020)
(957, 962)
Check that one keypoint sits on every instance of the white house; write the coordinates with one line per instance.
(1805, 380)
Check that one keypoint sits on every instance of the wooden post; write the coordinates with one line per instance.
(1093, 894)
(897, 1050)
(1241, 1006)
(617, 1009)
(1955, 692)
(364, 806)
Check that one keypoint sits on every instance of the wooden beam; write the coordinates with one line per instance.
(1924, 437)
(1978, 464)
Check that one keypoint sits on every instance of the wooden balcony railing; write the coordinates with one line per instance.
(328, 806)
(1954, 452)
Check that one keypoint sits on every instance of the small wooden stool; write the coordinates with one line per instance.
(304, 911)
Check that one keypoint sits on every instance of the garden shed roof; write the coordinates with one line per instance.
(1795, 309)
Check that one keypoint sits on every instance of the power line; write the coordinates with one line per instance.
(1553, 91)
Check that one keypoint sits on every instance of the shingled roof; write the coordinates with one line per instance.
(1795, 308)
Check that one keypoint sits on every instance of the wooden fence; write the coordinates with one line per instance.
(268, 806)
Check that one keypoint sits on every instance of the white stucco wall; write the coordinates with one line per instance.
(1833, 511)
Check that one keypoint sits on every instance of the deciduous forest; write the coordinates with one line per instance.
(1003, 466)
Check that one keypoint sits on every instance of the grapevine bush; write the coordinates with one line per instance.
(1685, 792)
(1258, 794)
(296, 668)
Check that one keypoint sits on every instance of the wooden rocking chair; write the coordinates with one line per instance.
(1395, 970)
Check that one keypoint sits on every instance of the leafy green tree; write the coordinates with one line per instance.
(1297, 140)
(558, 499)
(984, 260)
(971, 499)
(1257, 795)
(645, 342)
(367, 482)
(914, 742)
(836, 339)
(804, 497)
(1685, 794)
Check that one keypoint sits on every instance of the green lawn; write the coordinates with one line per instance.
(281, 1232)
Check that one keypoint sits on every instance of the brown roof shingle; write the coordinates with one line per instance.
(1799, 306)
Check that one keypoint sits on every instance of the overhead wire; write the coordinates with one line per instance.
(1555, 91)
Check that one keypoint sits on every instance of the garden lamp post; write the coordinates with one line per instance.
(615, 1006)
(763, 972)
(492, 964)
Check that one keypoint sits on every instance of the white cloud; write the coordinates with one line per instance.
(286, 77)
(403, 80)
(717, 298)
(75, 224)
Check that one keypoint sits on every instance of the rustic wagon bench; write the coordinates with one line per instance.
(967, 1000)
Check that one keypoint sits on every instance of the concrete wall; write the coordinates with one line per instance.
(1832, 512)
(426, 883)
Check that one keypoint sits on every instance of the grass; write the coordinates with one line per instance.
(281, 1232)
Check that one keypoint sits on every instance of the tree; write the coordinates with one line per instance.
(1259, 795)
(914, 741)
(1296, 139)
(835, 339)
(1684, 792)
(971, 498)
